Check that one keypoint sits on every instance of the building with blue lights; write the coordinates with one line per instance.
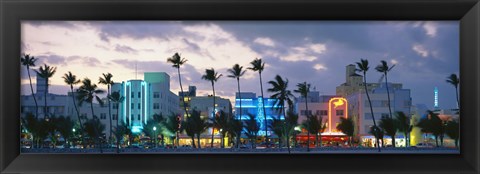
(144, 98)
(251, 104)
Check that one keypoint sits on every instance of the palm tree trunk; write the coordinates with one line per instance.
(316, 140)
(239, 96)
(45, 108)
(456, 92)
(264, 112)
(308, 117)
(109, 115)
(456, 142)
(181, 89)
(388, 95)
(393, 140)
(406, 141)
(371, 109)
(116, 127)
(198, 141)
(33, 94)
(193, 141)
(213, 116)
(78, 117)
(95, 127)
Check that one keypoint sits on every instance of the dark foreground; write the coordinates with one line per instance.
(323, 150)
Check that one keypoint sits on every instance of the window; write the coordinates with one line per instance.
(132, 106)
(133, 95)
(156, 95)
(131, 117)
(115, 106)
(156, 106)
(323, 112)
(138, 116)
(339, 112)
(103, 116)
(114, 117)
(139, 95)
(139, 106)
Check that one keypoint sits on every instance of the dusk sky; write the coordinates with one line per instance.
(425, 52)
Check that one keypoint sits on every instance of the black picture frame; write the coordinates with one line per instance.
(14, 11)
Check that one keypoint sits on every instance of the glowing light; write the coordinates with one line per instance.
(338, 103)
(144, 84)
(435, 91)
(154, 128)
(137, 129)
(339, 100)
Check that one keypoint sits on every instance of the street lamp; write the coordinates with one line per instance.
(155, 135)
(73, 130)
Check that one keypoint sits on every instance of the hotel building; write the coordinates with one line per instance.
(252, 104)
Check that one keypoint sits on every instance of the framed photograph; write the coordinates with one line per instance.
(250, 86)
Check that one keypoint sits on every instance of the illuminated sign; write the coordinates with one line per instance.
(336, 102)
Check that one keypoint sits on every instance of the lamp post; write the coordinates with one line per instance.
(73, 142)
(155, 135)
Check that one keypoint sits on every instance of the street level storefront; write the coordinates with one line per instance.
(327, 140)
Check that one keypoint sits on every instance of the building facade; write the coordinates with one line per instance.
(252, 104)
(144, 98)
(354, 83)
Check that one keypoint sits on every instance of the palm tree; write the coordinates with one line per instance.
(278, 127)
(291, 121)
(29, 61)
(236, 72)
(177, 62)
(259, 65)
(171, 127)
(212, 76)
(93, 128)
(251, 129)
(303, 89)
(221, 123)
(235, 128)
(280, 92)
(347, 127)
(313, 125)
(189, 126)
(201, 125)
(86, 93)
(64, 126)
(363, 67)
(454, 80)
(453, 131)
(117, 99)
(384, 68)
(403, 125)
(71, 80)
(46, 72)
(432, 124)
(107, 80)
(120, 132)
(389, 127)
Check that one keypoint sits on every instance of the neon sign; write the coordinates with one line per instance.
(336, 102)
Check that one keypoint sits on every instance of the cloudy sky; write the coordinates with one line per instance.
(425, 52)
